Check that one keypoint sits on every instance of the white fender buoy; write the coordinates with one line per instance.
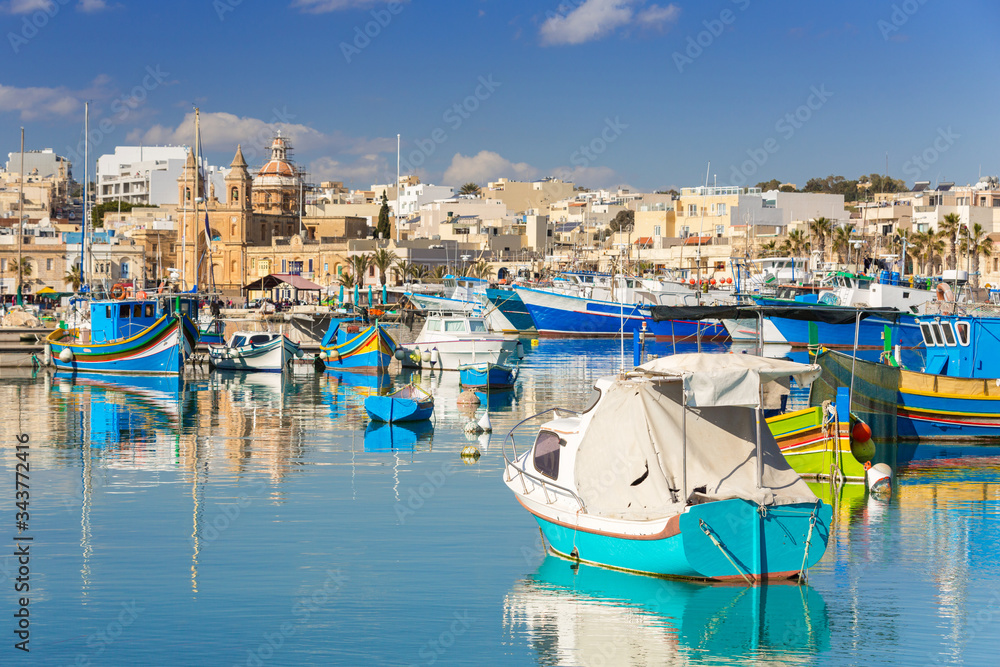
(879, 480)
(333, 355)
(484, 423)
(425, 355)
(520, 350)
(66, 355)
(435, 357)
(484, 442)
(473, 427)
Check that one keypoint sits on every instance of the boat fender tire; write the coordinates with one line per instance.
(66, 355)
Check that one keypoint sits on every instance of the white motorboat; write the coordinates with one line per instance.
(448, 341)
(254, 351)
(673, 472)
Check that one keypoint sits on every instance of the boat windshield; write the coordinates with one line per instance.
(259, 339)
(454, 325)
(477, 326)
(239, 341)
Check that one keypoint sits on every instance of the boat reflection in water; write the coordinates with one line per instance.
(591, 615)
(398, 437)
(126, 415)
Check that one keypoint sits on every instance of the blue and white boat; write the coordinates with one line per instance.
(136, 336)
(462, 294)
(409, 404)
(506, 313)
(556, 314)
(350, 345)
(672, 472)
(254, 351)
(397, 437)
(487, 376)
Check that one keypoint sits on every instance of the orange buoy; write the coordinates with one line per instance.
(118, 291)
(140, 295)
(861, 433)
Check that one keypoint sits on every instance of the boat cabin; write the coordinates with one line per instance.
(951, 344)
(115, 320)
(455, 325)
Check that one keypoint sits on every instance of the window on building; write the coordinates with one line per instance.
(692, 209)
(685, 231)
(310, 266)
(284, 266)
(720, 230)
(340, 270)
(125, 268)
(657, 230)
(371, 270)
(234, 195)
(48, 265)
(326, 267)
(295, 267)
(996, 265)
(721, 210)
(996, 202)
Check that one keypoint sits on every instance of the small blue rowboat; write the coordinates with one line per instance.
(487, 376)
(411, 403)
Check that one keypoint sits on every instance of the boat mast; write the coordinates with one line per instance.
(20, 228)
(194, 193)
(86, 193)
(701, 227)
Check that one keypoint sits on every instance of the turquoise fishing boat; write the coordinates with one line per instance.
(409, 404)
(673, 472)
(487, 376)
(137, 336)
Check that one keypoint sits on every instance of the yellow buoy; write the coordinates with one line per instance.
(470, 454)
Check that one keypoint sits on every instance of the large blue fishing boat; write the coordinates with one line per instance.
(130, 335)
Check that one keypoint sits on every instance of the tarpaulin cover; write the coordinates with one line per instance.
(826, 314)
(630, 461)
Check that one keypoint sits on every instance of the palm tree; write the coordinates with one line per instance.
(439, 272)
(948, 228)
(405, 269)
(769, 249)
(821, 228)
(23, 270)
(841, 243)
(797, 242)
(359, 265)
(73, 277)
(935, 250)
(346, 279)
(978, 244)
(470, 189)
(481, 269)
(382, 259)
(421, 272)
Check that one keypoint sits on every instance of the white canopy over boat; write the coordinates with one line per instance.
(643, 454)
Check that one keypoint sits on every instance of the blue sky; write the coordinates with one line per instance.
(605, 92)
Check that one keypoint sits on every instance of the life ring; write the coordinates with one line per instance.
(944, 292)
(118, 291)
(140, 295)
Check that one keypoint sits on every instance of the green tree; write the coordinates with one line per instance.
(841, 243)
(73, 277)
(439, 272)
(97, 211)
(772, 184)
(769, 249)
(346, 279)
(359, 265)
(624, 221)
(383, 229)
(470, 188)
(949, 229)
(382, 259)
(798, 244)
(787, 188)
(977, 244)
(820, 228)
(23, 270)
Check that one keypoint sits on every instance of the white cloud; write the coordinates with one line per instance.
(594, 19)
(92, 6)
(487, 166)
(26, 6)
(655, 16)
(39, 102)
(323, 6)
(365, 171)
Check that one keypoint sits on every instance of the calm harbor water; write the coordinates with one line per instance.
(256, 520)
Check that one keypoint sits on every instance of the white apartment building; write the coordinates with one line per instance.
(436, 213)
(148, 175)
(415, 196)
